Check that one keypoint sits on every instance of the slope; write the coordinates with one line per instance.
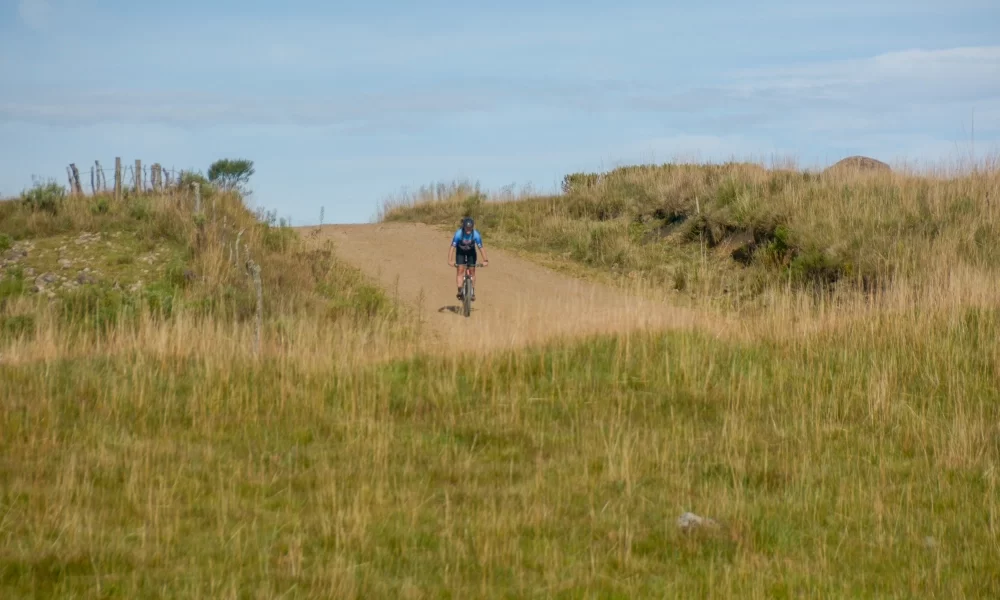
(518, 301)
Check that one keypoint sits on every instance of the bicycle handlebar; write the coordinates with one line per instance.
(473, 266)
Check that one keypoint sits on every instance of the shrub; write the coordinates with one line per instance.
(231, 174)
(15, 326)
(46, 197)
(100, 206)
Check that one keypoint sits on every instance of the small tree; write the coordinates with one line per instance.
(231, 174)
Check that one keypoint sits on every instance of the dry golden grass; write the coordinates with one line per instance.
(847, 444)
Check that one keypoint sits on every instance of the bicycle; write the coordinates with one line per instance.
(467, 289)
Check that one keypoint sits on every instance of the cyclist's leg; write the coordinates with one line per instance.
(473, 258)
(459, 273)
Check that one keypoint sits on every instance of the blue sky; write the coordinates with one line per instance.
(341, 104)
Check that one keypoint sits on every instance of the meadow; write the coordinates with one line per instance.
(845, 444)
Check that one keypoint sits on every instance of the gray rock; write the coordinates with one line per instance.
(65, 263)
(689, 521)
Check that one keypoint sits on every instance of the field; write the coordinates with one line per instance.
(830, 406)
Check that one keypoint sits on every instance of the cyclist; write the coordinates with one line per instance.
(463, 253)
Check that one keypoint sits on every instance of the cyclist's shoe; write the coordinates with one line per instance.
(459, 294)
(473, 296)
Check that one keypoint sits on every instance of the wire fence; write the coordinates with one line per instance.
(137, 178)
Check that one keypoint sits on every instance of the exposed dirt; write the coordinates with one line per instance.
(517, 301)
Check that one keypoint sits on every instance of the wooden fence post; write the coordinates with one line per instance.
(102, 182)
(197, 196)
(118, 178)
(69, 177)
(254, 269)
(78, 189)
(138, 176)
(93, 184)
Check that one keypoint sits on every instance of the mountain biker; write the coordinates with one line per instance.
(463, 253)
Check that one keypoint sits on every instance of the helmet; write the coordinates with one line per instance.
(468, 223)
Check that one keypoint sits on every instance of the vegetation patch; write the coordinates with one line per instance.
(741, 228)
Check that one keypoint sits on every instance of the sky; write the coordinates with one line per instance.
(341, 105)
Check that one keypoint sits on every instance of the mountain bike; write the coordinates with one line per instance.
(467, 289)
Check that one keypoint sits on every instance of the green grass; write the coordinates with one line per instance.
(92, 262)
(148, 451)
(557, 471)
(729, 233)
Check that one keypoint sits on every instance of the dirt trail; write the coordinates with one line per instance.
(517, 301)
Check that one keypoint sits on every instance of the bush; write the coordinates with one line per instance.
(6, 243)
(231, 174)
(47, 197)
(15, 326)
(100, 206)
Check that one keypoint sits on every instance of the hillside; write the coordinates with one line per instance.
(91, 274)
(148, 449)
(734, 234)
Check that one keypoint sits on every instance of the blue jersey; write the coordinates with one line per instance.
(464, 242)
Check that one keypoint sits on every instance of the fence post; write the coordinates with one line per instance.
(138, 176)
(93, 184)
(102, 182)
(118, 178)
(255, 273)
(76, 179)
(69, 177)
(197, 196)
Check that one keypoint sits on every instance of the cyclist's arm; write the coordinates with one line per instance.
(453, 248)
(479, 242)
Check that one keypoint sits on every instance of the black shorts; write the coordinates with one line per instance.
(465, 258)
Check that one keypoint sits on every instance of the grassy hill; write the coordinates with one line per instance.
(730, 233)
(147, 450)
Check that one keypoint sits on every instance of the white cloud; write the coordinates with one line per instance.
(34, 13)
(915, 75)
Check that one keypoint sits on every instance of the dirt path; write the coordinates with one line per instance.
(517, 301)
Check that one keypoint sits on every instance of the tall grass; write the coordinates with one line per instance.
(162, 458)
(738, 229)
(860, 462)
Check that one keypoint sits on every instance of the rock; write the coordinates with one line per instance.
(87, 238)
(859, 163)
(65, 263)
(46, 278)
(189, 275)
(689, 521)
(29, 272)
(84, 278)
